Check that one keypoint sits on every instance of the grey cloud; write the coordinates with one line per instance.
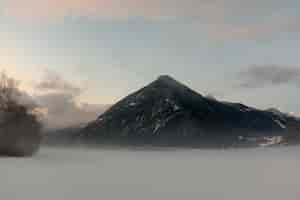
(58, 96)
(269, 75)
(53, 82)
(63, 111)
(221, 20)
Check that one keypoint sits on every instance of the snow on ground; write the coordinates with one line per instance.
(170, 174)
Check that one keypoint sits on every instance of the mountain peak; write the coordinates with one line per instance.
(166, 78)
(169, 82)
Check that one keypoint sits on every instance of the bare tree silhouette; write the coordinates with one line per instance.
(20, 130)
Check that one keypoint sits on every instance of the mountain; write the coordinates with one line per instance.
(166, 112)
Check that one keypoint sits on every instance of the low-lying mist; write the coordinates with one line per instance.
(80, 173)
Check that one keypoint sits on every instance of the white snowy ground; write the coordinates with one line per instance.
(77, 174)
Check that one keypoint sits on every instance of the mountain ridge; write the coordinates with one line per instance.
(167, 111)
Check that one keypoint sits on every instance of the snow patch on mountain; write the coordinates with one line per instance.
(132, 104)
(280, 124)
(270, 141)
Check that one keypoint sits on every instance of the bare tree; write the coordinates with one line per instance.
(8, 90)
(20, 133)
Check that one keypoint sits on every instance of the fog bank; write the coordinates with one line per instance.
(172, 174)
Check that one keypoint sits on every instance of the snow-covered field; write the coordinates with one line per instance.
(77, 174)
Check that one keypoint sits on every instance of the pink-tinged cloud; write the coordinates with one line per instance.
(205, 9)
(40, 9)
(219, 18)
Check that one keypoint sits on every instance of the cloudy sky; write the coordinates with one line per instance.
(98, 51)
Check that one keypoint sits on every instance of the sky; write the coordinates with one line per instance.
(94, 52)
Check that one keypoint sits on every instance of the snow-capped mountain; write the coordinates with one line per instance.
(168, 112)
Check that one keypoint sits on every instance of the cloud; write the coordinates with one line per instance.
(269, 75)
(220, 19)
(55, 100)
(254, 30)
(53, 82)
(108, 8)
(62, 110)
(57, 97)
(206, 9)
